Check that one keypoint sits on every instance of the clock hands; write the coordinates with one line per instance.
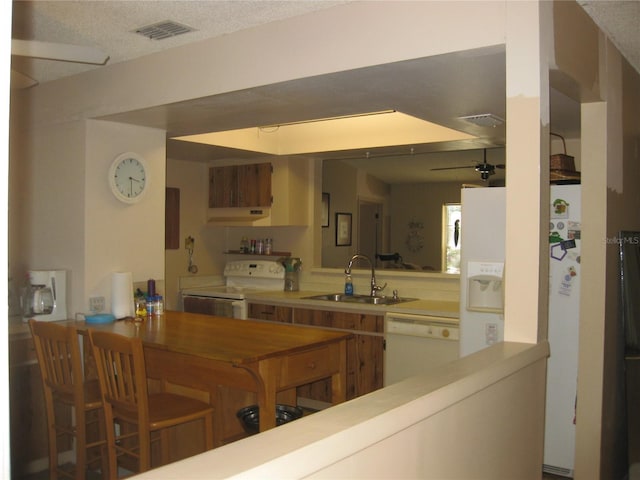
(131, 180)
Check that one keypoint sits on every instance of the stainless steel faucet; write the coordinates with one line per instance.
(375, 288)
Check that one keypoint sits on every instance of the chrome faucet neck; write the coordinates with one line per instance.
(375, 288)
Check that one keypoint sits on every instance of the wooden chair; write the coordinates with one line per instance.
(123, 382)
(58, 352)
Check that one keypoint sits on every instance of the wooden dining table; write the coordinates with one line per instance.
(204, 353)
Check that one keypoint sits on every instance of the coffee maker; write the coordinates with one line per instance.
(45, 296)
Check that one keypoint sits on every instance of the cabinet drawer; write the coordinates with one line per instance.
(307, 366)
(274, 313)
(22, 351)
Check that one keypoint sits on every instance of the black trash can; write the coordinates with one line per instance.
(250, 416)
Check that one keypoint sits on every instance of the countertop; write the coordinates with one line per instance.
(437, 308)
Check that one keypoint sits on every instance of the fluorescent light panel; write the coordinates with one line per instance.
(368, 130)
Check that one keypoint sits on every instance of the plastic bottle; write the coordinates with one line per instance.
(150, 306)
(348, 285)
(159, 310)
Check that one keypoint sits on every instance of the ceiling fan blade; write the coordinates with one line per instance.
(58, 51)
(20, 80)
(453, 168)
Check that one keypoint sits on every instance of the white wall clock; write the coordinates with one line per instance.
(128, 177)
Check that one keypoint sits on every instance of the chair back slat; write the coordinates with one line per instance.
(61, 371)
(58, 353)
(121, 370)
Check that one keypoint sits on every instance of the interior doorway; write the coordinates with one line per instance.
(370, 228)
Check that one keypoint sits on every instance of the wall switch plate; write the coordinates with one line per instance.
(96, 304)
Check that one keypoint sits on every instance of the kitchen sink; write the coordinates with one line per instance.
(367, 299)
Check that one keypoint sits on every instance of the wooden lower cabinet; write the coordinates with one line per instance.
(365, 352)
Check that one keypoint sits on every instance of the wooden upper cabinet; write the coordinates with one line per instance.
(240, 186)
(254, 185)
(223, 185)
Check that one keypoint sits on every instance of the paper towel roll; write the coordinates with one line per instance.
(122, 294)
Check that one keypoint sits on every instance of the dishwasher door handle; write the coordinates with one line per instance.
(414, 328)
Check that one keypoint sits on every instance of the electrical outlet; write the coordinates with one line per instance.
(96, 304)
(491, 333)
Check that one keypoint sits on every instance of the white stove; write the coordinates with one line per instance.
(241, 278)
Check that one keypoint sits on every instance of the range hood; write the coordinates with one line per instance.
(237, 215)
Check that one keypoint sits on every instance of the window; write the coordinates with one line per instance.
(451, 215)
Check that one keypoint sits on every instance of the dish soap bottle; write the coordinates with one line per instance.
(348, 285)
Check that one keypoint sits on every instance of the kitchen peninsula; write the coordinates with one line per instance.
(208, 354)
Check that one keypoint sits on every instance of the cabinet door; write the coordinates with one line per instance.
(364, 352)
(254, 185)
(274, 313)
(223, 187)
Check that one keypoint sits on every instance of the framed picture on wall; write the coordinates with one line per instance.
(325, 209)
(343, 229)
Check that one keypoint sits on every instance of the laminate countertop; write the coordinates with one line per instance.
(439, 308)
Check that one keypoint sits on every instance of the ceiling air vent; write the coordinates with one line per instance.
(162, 30)
(484, 120)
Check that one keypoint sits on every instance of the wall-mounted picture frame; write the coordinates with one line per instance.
(325, 209)
(343, 229)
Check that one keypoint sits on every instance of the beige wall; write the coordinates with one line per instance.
(477, 418)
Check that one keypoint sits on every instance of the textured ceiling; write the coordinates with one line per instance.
(620, 19)
(110, 25)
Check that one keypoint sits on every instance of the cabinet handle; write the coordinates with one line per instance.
(311, 365)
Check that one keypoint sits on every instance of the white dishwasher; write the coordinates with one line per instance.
(417, 343)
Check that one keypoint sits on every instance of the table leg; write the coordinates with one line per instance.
(339, 379)
(267, 394)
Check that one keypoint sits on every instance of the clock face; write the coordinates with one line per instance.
(128, 177)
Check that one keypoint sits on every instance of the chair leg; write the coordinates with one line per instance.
(52, 434)
(112, 455)
(144, 438)
(81, 444)
(104, 448)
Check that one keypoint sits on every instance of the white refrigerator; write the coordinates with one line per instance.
(482, 241)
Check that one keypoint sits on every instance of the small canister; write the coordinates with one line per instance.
(151, 287)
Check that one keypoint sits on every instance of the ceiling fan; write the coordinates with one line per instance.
(485, 169)
(52, 51)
